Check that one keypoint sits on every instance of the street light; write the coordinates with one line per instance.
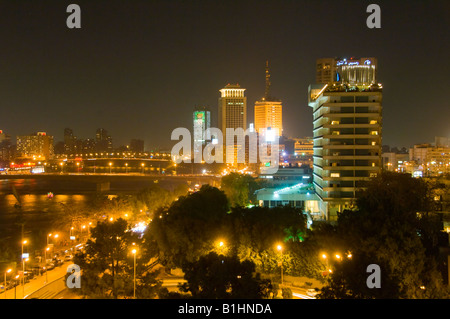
(23, 268)
(45, 263)
(280, 248)
(7, 272)
(126, 168)
(15, 286)
(142, 167)
(134, 251)
(110, 164)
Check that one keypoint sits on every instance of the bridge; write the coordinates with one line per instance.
(103, 181)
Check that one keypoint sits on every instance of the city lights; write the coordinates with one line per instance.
(320, 173)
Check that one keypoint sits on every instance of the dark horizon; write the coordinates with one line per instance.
(137, 69)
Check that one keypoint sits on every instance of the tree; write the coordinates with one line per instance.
(216, 276)
(190, 227)
(388, 229)
(107, 264)
(240, 188)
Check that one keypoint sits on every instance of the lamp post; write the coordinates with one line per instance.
(23, 277)
(280, 248)
(110, 164)
(15, 286)
(23, 268)
(134, 251)
(7, 272)
(126, 168)
(143, 165)
(46, 274)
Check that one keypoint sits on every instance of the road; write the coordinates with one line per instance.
(36, 283)
(41, 290)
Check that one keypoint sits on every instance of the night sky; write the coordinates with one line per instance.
(137, 68)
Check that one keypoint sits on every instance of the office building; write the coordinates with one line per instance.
(38, 146)
(232, 115)
(6, 148)
(103, 142)
(347, 123)
(69, 141)
(268, 110)
(137, 146)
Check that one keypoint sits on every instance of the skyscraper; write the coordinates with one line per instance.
(69, 141)
(232, 114)
(201, 122)
(268, 110)
(103, 142)
(137, 145)
(347, 123)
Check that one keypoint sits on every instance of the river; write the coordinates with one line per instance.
(38, 211)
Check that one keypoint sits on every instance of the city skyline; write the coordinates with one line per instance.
(129, 62)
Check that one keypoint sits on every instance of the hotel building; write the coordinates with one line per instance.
(233, 115)
(347, 122)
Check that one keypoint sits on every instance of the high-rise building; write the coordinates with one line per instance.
(351, 71)
(69, 141)
(232, 114)
(6, 149)
(347, 123)
(201, 121)
(268, 110)
(38, 145)
(103, 142)
(137, 146)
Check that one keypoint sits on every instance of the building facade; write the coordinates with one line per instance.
(347, 127)
(38, 145)
(268, 111)
(232, 115)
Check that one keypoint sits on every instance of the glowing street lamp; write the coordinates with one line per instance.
(143, 165)
(126, 169)
(134, 251)
(280, 249)
(110, 165)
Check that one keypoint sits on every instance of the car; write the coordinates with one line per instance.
(312, 292)
(57, 262)
(68, 257)
(50, 266)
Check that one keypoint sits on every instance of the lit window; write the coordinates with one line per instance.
(335, 174)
